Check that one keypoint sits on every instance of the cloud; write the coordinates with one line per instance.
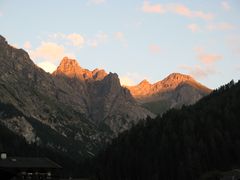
(225, 5)
(207, 58)
(1, 13)
(223, 26)
(194, 27)
(233, 42)
(47, 66)
(149, 8)
(207, 66)
(100, 38)
(131, 79)
(73, 39)
(220, 26)
(96, 2)
(154, 48)
(49, 51)
(199, 71)
(27, 45)
(119, 36)
(176, 9)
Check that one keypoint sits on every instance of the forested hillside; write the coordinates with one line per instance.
(182, 144)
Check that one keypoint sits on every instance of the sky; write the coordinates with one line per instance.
(137, 39)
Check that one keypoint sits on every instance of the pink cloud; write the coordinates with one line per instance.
(207, 58)
(175, 8)
(194, 27)
(72, 39)
(149, 8)
(198, 71)
(100, 38)
(119, 35)
(233, 43)
(27, 45)
(225, 5)
(154, 48)
(220, 26)
(96, 2)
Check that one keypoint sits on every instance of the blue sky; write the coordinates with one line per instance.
(138, 39)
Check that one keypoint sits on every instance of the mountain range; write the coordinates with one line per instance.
(74, 111)
(172, 92)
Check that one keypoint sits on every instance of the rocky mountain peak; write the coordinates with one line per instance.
(175, 79)
(68, 65)
(71, 68)
(146, 92)
(178, 77)
(144, 83)
(99, 74)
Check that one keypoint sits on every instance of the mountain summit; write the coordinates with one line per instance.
(173, 91)
(102, 98)
(71, 68)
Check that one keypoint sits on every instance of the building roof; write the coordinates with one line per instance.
(27, 162)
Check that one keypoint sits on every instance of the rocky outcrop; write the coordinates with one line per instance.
(71, 68)
(105, 102)
(85, 107)
(173, 91)
(42, 101)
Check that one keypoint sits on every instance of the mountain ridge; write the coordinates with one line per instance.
(172, 92)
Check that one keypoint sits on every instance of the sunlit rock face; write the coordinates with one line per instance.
(173, 91)
(71, 68)
(76, 105)
(106, 102)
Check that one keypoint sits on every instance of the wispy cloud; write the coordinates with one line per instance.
(198, 71)
(206, 67)
(220, 26)
(98, 39)
(119, 36)
(27, 45)
(207, 58)
(233, 42)
(47, 66)
(1, 13)
(225, 5)
(96, 2)
(152, 8)
(154, 48)
(176, 9)
(194, 27)
(72, 39)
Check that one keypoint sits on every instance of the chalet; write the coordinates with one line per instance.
(20, 168)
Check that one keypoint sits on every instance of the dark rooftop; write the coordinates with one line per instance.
(26, 162)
